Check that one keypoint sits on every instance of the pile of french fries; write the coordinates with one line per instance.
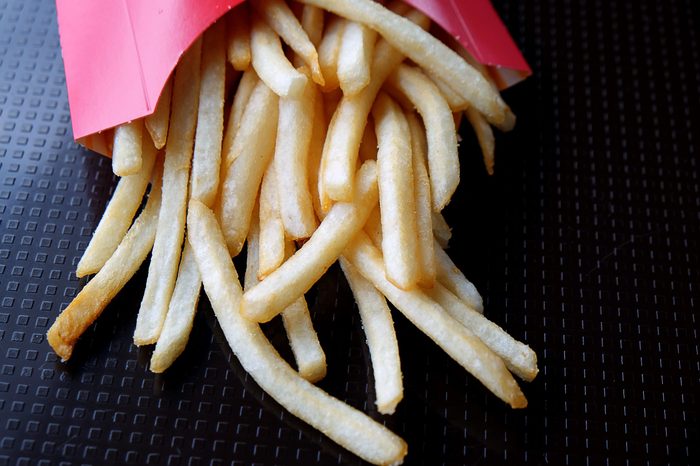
(308, 133)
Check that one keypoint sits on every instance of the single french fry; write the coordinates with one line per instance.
(381, 339)
(294, 132)
(303, 340)
(87, 306)
(296, 276)
(238, 38)
(455, 339)
(244, 90)
(345, 131)
(270, 63)
(519, 358)
(484, 134)
(328, 50)
(424, 211)
(118, 215)
(509, 120)
(344, 425)
(396, 193)
(181, 310)
(210, 118)
(126, 154)
(456, 102)
(312, 20)
(281, 19)
(308, 354)
(355, 57)
(244, 165)
(425, 50)
(162, 271)
(441, 230)
(271, 243)
(318, 136)
(158, 122)
(449, 275)
(443, 157)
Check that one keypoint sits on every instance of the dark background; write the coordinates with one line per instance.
(584, 244)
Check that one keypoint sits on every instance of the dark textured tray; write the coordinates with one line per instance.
(584, 244)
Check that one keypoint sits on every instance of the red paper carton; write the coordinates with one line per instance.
(118, 54)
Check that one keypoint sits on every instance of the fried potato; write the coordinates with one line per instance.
(294, 278)
(126, 154)
(162, 270)
(118, 215)
(457, 341)
(348, 427)
(87, 306)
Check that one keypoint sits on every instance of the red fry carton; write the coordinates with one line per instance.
(118, 54)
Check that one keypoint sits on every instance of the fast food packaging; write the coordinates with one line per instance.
(118, 54)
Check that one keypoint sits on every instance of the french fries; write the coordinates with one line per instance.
(270, 63)
(162, 270)
(309, 164)
(158, 122)
(126, 155)
(118, 215)
(296, 276)
(443, 160)
(396, 197)
(119, 268)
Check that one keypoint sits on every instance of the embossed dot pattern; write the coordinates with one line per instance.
(585, 245)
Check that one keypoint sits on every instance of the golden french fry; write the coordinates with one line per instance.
(280, 18)
(519, 358)
(449, 275)
(238, 38)
(307, 351)
(443, 156)
(117, 271)
(456, 102)
(181, 310)
(328, 50)
(425, 50)
(245, 88)
(271, 244)
(294, 132)
(381, 339)
(355, 57)
(162, 270)
(396, 193)
(424, 211)
(455, 339)
(244, 165)
(348, 427)
(345, 131)
(484, 134)
(308, 354)
(296, 276)
(158, 122)
(270, 63)
(126, 154)
(210, 118)
(318, 136)
(118, 215)
(312, 21)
